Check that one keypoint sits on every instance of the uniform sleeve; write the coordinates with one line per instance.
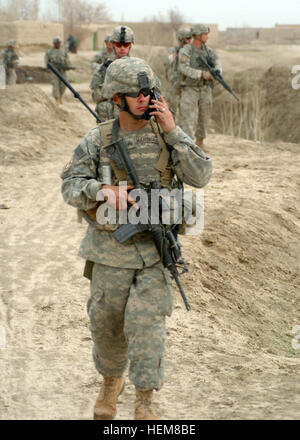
(80, 184)
(96, 85)
(46, 58)
(67, 60)
(215, 59)
(190, 163)
(184, 65)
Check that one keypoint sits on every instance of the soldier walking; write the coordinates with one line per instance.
(196, 86)
(60, 59)
(131, 292)
(122, 37)
(172, 73)
(104, 54)
(10, 61)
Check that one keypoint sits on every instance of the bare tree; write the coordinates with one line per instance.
(172, 20)
(19, 10)
(175, 18)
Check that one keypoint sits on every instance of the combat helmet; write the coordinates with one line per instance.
(56, 40)
(122, 34)
(199, 29)
(184, 33)
(11, 43)
(127, 75)
(107, 38)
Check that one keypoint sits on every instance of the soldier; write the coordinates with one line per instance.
(131, 293)
(60, 59)
(10, 62)
(122, 37)
(104, 54)
(196, 92)
(172, 73)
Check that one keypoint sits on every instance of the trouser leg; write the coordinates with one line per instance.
(188, 111)
(150, 300)
(204, 112)
(109, 293)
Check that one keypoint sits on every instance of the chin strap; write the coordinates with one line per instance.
(124, 107)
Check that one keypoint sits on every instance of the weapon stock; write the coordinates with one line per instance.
(218, 77)
(76, 94)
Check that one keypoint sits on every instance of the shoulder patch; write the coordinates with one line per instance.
(79, 152)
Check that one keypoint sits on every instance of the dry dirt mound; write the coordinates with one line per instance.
(269, 107)
(30, 123)
(32, 74)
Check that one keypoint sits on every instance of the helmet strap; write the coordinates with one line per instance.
(124, 107)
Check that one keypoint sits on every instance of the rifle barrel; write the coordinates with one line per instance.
(76, 94)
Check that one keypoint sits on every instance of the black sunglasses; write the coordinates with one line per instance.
(144, 92)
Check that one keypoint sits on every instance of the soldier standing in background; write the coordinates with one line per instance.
(10, 62)
(131, 292)
(172, 73)
(104, 54)
(72, 44)
(196, 91)
(60, 59)
(122, 37)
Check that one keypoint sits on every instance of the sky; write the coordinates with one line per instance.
(226, 13)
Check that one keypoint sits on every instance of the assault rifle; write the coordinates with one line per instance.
(164, 239)
(216, 74)
(76, 94)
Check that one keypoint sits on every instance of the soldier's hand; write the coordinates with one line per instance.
(206, 75)
(118, 197)
(163, 115)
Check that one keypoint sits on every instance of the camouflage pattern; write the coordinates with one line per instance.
(60, 59)
(199, 29)
(196, 95)
(105, 109)
(103, 55)
(173, 89)
(130, 291)
(56, 40)
(190, 164)
(122, 76)
(195, 111)
(96, 83)
(184, 33)
(127, 310)
(9, 60)
(116, 35)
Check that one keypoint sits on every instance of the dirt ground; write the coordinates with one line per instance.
(230, 357)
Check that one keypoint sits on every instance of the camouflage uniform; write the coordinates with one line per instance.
(9, 57)
(60, 59)
(102, 56)
(173, 90)
(196, 93)
(131, 292)
(106, 109)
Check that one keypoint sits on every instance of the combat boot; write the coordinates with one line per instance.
(143, 405)
(106, 404)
